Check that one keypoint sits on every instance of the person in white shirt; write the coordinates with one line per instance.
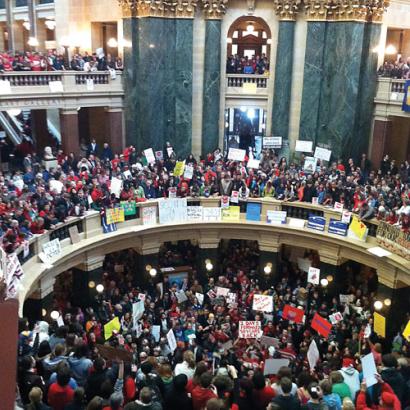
(187, 367)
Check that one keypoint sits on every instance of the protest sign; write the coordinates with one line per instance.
(304, 146)
(211, 214)
(225, 201)
(170, 151)
(304, 264)
(317, 223)
(253, 163)
(235, 154)
(26, 247)
(296, 223)
(293, 314)
(369, 369)
(393, 239)
(172, 210)
(231, 299)
(253, 211)
(179, 168)
(194, 213)
(313, 355)
(231, 214)
(272, 142)
(269, 341)
(310, 164)
(249, 329)
(220, 291)
(335, 318)
(262, 303)
(276, 217)
(149, 155)
(138, 309)
(338, 206)
(322, 153)
(313, 276)
(172, 343)
(379, 324)
(346, 298)
(56, 86)
(357, 229)
(129, 207)
(200, 297)
(406, 331)
(272, 366)
(114, 354)
(149, 215)
(235, 197)
(189, 171)
(74, 235)
(155, 331)
(172, 192)
(56, 186)
(181, 296)
(111, 326)
(321, 325)
(116, 186)
(114, 215)
(52, 249)
(159, 155)
(5, 87)
(346, 215)
(90, 84)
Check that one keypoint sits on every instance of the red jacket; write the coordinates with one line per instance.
(200, 397)
(388, 397)
(59, 397)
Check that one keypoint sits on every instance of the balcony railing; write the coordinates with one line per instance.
(239, 80)
(389, 97)
(30, 78)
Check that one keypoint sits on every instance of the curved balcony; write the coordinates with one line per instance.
(60, 89)
(146, 239)
(389, 97)
(247, 86)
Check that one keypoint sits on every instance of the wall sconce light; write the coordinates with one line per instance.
(54, 315)
(100, 288)
(378, 305)
(153, 272)
(112, 42)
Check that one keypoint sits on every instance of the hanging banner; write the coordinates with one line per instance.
(129, 207)
(211, 214)
(253, 211)
(114, 215)
(357, 229)
(231, 214)
(406, 99)
(276, 217)
(317, 223)
(172, 210)
(338, 228)
(149, 215)
(194, 213)
(394, 239)
(52, 248)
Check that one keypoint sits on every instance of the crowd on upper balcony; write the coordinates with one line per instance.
(245, 65)
(397, 69)
(34, 199)
(54, 61)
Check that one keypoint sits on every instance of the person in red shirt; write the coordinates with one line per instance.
(203, 392)
(387, 400)
(37, 227)
(60, 393)
(262, 394)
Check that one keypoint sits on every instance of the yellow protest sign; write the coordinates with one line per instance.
(179, 168)
(358, 228)
(379, 324)
(406, 332)
(110, 327)
(231, 214)
(115, 215)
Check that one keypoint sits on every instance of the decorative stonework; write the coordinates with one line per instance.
(377, 8)
(286, 9)
(158, 8)
(316, 10)
(214, 9)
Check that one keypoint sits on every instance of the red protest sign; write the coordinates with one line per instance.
(293, 314)
(321, 325)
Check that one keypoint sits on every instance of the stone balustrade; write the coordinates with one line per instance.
(147, 239)
(239, 80)
(389, 97)
(31, 90)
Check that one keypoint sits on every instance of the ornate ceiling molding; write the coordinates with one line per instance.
(158, 8)
(214, 9)
(286, 9)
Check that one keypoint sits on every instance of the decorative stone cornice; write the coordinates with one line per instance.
(376, 10)
(316, 10)
(214, 9)
(158, 8)
(286, 9)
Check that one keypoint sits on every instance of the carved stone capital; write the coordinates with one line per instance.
(129, 7)
(351, 10)
(376, 10)
(316, 10)
(158, 8)
(286, 9)
(214, 9)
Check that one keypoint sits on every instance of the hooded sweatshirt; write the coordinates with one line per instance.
(80, 368)
(333, 401)
(396, 381)
(43, 331)
(351, 378)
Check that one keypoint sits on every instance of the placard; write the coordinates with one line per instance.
(249, 329)
(231, 214)
(172, 210)
(346, 215)
(309, 165)
(235, 197)
(114, 215)
(321, 325)
(269, 341)
(172, 343)
(262, 303)
(272, 366)
(317, 223)
(338, 206)
(189, 171)
(296, 223)
(74, 235)
(149, 215)
(116, 186)
(304, 264)
(170, 151)
(369, 369)
(52, 249)
(200, 297)
(211, 214)
(221, 291)
(314, 276)
(159, 155)
(111, 326)
(335, 318)
(194, 213)
(129, 207)
(346, 298)
(5, 87)
(138, 309)
(322, 153)
(293, 314)
(253, 211)
(149, 155)
(304, 146)
(179, 168)
(313, 355)
(236, 154)
(379, 326)
(90, 84)
(276, 217)
(253, 163)
(181, 296)
(393, 239)
(56, 86)
(272, 142)
(338, 228)
(406, 331)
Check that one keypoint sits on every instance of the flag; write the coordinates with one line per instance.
(313, 354)
(293, 314)
(107, 228)
(406, 99)
(321, 325)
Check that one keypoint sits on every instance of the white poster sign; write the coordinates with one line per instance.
(235, 197)
(189, 171)
(310, 164)
(116, 186)
(369, 369)
(52, 249)
(220, 291)
(253, 163)
(194, 213)
(304, 146)
(272, 366)
(236, 154)
(172, 342)
(249, 329)
(338, 206)
(314, 276)
(56, 86)
(200, 297)
(149, 215)
(313, 354)
(272, 142)
(5, 87)
(149, 155)
(172, 210)
(138, 309)
(263, 303)
(304, 264)
(155, 331)
(346, 215)
(90, 84)
(211, 214)
(276, 217)
(322, 153)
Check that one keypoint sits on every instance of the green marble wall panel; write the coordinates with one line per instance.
(312, 80)
(283, 79)
(158, 101)
(211, 91)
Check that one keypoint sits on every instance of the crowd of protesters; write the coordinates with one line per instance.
(55, 61)
(34, 199)
(61, 366)
(245, 65)
(397, 69)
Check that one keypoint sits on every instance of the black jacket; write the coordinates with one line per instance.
(287, 402)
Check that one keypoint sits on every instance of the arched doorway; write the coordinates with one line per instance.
(249, 40)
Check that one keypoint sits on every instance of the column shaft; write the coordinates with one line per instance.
(115, 130)
(70, 139)
(40, 129)
(381, 132)
(10, 24)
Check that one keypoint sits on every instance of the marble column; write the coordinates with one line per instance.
(382, 129)
(115, 133)
(283, 80)
(10, 24)
(70, 139)
(40, 129)
(211, 93)
(80, 291)
(31, 6)
(158, 80)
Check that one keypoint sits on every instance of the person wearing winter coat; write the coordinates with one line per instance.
(351, 378)
(332, 400)
(391, 375)
(286, 400)
(387, 399)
